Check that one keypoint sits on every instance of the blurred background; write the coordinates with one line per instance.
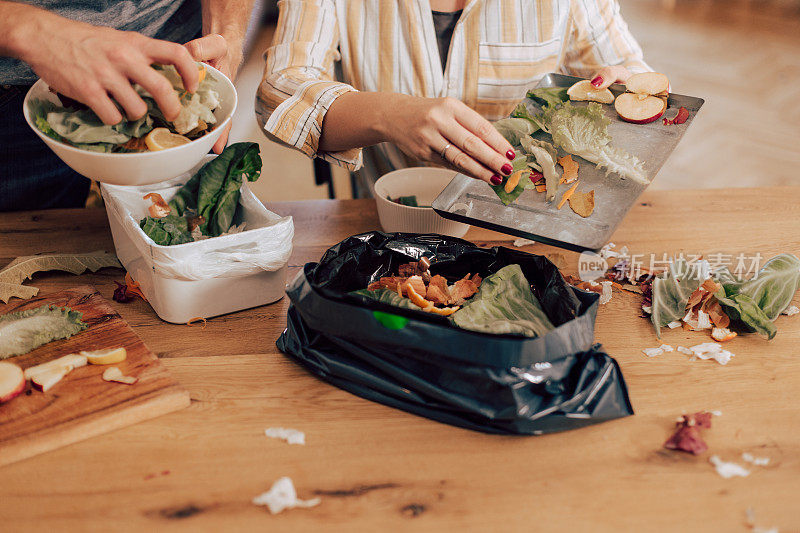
(742, 56)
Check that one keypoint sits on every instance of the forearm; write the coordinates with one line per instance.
(228, 18)
(21, 26)
(358, 119)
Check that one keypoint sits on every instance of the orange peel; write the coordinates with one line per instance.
(722, 334)
(513, 181)
(193, 321)
(570, 167)
(133, 287)
(415, 298)
(444, 311)
(567, 194)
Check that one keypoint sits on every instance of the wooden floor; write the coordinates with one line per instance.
(741, 56)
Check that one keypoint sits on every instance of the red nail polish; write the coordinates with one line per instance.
(597, 81)
(506, 169)
(496, 180)
(510, 154)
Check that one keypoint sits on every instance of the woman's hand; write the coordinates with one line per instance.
(447, 132)
(93, 64)
(215, 50)
(608, 75)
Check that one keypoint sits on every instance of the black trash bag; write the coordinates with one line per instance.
(421, 363)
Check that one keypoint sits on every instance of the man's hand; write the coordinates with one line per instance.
(94, 64)
(214, 50)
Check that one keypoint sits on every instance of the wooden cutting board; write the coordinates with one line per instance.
(82, 405)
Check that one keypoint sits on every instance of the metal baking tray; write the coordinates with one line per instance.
(473, 202)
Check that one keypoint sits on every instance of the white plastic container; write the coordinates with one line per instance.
(204, 278)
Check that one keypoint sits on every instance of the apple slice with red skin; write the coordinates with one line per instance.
(653, 83)
(12, 381)
(639, 108)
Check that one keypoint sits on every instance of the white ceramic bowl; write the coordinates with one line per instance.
(142, 168)
(424, 182)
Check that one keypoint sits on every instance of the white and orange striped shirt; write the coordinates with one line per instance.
(499, 49)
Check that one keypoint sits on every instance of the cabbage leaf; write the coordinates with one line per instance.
(672, 289)
(758, 301)
(504, 303)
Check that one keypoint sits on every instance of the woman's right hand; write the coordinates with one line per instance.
(448, 132)
(93, 64)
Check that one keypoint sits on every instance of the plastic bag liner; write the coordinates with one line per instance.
(422, 364)
(266, 243)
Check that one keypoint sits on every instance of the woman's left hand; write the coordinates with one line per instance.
(608, 75)
(226, 57)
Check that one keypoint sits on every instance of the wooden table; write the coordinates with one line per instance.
(377, 468)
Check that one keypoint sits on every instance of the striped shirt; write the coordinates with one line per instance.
(499, 49)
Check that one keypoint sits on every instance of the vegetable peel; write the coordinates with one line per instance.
(582, 203)
(566, 196)
(24, 267)
(24, 331)
(570, 167)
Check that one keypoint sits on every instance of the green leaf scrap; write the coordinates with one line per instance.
(23, 331)
(23, 268)
(504, 303)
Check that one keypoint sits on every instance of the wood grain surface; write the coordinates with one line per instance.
(82, 404)
(379, 469)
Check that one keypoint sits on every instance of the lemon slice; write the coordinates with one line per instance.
(162, 138)
(106, 357)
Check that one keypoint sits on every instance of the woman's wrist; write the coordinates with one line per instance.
(383, 115)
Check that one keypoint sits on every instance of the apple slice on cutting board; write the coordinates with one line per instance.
(12, 381)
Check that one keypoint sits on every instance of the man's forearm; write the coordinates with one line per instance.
(18, 25)
(229, 18)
